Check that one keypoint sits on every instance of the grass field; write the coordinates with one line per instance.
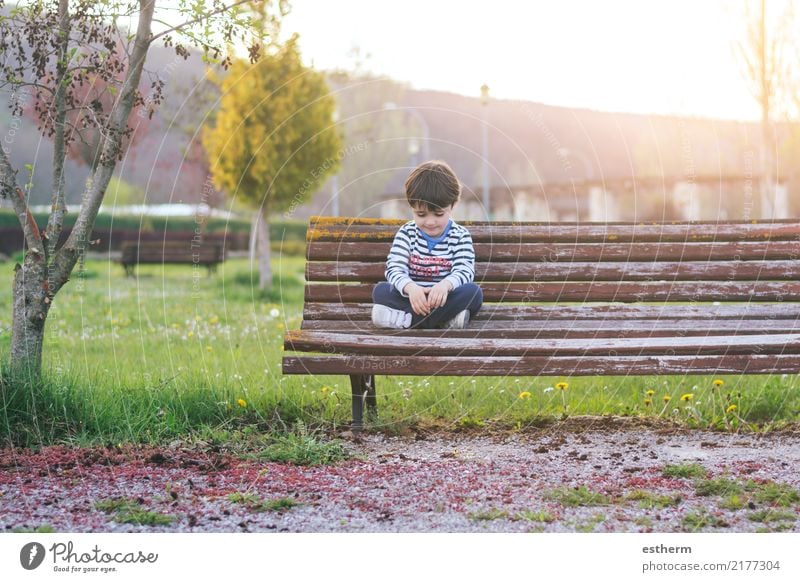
(175, 353)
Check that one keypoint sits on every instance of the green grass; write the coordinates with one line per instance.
(172, 353)
(718, 486)
(580, 496)
(699, 520)
(686, 471)
(648, 500)
(488, 515)
(254, 503)
(130, 511)
(528, 515)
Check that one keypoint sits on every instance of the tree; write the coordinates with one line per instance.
(273, 142)
(765, 55)
(55, 49)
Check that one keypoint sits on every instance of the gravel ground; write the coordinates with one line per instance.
(425, 482)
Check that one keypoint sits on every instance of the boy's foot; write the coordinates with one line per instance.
(460, 321)
(383, 316)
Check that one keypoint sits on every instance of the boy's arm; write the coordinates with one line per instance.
(397, 262)
(463, 262)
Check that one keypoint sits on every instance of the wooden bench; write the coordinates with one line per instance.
(564, 299)
(162, 252)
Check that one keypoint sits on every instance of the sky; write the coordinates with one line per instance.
(648, 56)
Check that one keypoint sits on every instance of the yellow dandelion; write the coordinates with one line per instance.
(650, 392)
(524, 395)
(325, 389)
(718, 382)
(209, 348)
(731, 408)
(190, 334)
(562, 386)
(647, 402)
(687, 397)
(213, 320)
(242, 402)
(666, 398)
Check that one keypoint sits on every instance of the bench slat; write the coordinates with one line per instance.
(544, 366)
(581, 271)
(575, 233)
(593, 291)
(565, 252)
(759, 311)
(568, 329)
(394, 345)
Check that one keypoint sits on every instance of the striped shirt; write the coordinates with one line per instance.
(416, 257)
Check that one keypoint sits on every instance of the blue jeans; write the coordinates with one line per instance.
(463, 297)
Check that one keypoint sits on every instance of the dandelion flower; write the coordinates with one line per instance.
(562, 385)
(209, 348)
(687, 397)
(650, 392)
(524, 395)
(666, 398)
(325, 389)
(242, 402)
(731, 408)
(548, 389)
(647, 402)
(274, 312)
(718, 382)
(190, 334)
(213, 320)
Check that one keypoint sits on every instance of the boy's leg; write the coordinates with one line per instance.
(386, 294)
(463, 297)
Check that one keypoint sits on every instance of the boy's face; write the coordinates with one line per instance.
(432, 221)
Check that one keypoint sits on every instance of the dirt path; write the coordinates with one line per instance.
(423, 483)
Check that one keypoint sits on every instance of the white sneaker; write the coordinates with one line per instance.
(383, 316)
(460, 321)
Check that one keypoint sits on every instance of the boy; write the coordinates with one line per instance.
(431, 265)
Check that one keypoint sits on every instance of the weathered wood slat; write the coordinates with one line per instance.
(572, 329)
(395, 345)
(575, 233)
(544, 366)
(592, 291)
(582, 271)
(605, 311)
(566, 252)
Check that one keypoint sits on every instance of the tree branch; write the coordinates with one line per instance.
(10, 190)
(58, 201)
(188, 23)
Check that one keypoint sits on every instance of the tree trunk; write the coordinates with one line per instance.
(264, 266)
(31, 305)
(253, 246)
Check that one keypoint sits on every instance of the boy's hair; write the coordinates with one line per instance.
(433, 185)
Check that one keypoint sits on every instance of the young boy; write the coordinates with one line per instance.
(431, 265)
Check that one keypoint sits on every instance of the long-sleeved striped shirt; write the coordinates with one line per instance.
(416, 257)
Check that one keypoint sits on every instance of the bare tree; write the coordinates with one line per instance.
(766, 54)
(55, 49)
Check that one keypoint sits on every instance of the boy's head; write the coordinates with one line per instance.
(433, 186)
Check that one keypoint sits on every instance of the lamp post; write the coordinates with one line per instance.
(485, 134)
(335, 179)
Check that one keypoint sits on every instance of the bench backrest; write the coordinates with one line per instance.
(597, 270)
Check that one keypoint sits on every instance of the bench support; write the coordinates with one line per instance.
(363, 388)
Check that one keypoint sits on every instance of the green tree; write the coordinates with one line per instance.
(50, 51)
(273, 142)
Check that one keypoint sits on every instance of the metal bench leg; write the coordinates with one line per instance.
(363, 388)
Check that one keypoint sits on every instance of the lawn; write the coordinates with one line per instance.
(175, 352)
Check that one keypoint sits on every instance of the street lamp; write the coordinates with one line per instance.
(426, 134)
(485, 134)
(335, 179)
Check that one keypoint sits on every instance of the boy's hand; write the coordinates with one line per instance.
(419, 299)
(437, 295)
